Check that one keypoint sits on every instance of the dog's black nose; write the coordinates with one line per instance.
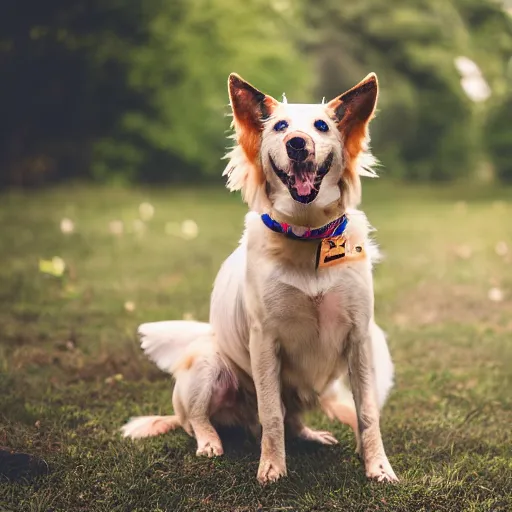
(295, 148)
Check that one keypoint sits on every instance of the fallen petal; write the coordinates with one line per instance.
(501, 248)
(67, 226)
(189, 229)
(129, 306)
(495, 294)
(116, 227)
(146, 211)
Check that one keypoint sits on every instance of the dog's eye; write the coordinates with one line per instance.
(321, 126)
(280, 126)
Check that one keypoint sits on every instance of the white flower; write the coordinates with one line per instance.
(189, 229)
(67, 226)
(129, 306)
(501, 248)
(476, 88)
(466, 67)
(116, 227)
(464, 251)
(146, 211)
(495, 294)
(472, 81)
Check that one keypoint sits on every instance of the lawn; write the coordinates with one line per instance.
(72, 373)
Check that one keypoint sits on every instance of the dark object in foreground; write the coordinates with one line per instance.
(16, 466)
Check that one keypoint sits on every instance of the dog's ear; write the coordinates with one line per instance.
(250, 109)
(250, 106)
(354, 109)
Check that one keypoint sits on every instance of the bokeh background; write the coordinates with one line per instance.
(113, 120)
(133, 91)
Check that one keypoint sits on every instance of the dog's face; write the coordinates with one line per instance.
(300, 154)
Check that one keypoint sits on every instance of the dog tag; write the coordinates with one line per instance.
(336, 250)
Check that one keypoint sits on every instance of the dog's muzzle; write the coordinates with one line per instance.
(304, 178)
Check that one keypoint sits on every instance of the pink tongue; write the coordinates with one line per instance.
(304, 186)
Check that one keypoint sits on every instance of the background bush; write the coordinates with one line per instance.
(128, 90)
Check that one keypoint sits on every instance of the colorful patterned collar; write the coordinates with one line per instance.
(334, 228)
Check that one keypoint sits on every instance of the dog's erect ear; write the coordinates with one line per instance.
(250, 109)
(354, 109)
(250, 106)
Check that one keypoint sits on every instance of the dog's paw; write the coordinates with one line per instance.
(317, 436)
(381, 470)
(270, 471)
(211, 448)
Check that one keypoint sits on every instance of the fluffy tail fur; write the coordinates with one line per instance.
(170, 344)
(175, 347)
(146, 426)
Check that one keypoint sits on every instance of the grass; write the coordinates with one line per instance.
(72, 374)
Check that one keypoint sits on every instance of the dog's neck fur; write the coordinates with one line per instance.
(310, 216)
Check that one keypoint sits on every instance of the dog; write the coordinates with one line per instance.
(292, 310)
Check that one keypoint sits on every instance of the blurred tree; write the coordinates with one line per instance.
(426, 128)
(133, 90)
(55, 101)
(126, 89)
(181, 71)
(499, 139)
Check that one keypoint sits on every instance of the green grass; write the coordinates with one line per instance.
(72, 374)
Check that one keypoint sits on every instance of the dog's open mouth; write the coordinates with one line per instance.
(304, 179)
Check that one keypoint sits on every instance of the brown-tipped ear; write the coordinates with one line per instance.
(354, 109)
(250, 106)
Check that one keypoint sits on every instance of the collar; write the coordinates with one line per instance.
(334, 228)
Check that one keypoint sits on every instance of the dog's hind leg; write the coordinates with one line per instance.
(337, 402)
(298, 429)
(205, 387)
(196, 395)
(187, 351)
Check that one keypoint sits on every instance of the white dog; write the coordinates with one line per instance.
(291, 323)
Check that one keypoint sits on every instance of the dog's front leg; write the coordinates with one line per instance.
(266, 371)
(362, 382)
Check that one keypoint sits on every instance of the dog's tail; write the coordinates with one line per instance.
(146, 426)
(171, 344)
(174, 346)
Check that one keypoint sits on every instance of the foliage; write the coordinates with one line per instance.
(181, 72)
(144, 82)
(499, 139)
(426, 128)
(132, 90)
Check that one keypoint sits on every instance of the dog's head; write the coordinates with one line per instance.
(293, 156)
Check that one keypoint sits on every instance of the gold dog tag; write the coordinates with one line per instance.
(336, 250)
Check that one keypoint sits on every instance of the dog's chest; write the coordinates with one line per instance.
(311, 335)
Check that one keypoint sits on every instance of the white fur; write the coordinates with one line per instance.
(166, 343)
(279, 326)
(147, 426)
